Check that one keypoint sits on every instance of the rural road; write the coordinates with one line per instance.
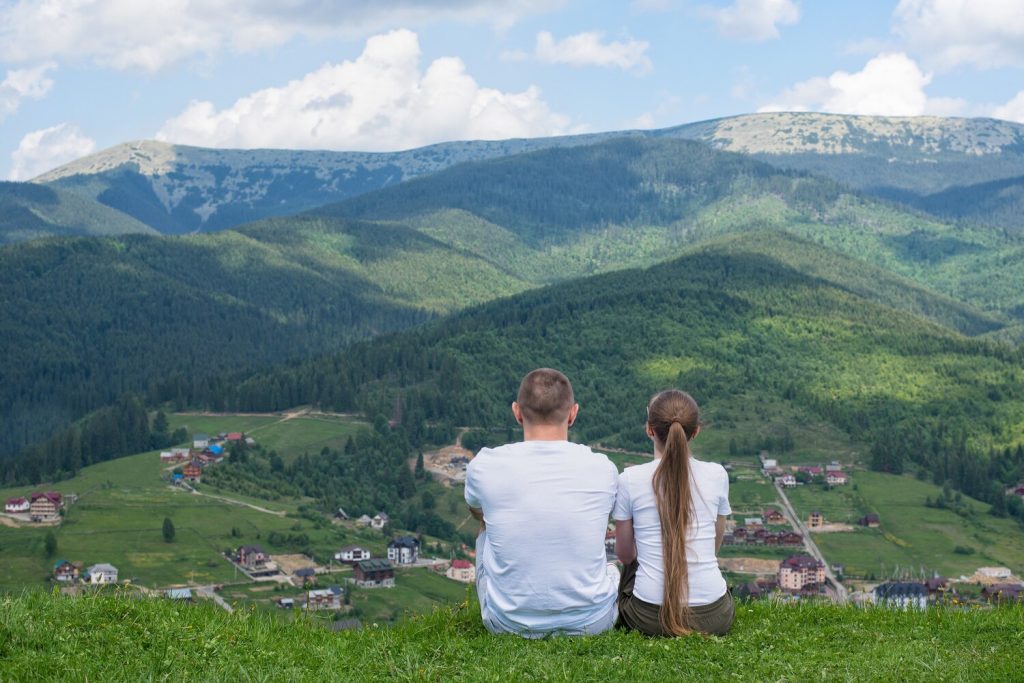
(208, 592)
(812, 548)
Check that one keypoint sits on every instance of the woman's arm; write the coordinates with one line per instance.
(625, 544)
(719, 532)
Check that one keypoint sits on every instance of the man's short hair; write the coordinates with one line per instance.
(545, 397)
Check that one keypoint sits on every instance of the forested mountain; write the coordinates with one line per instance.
(178, 189)
(86, 320)
(29, 211)
(569, 212)
(733, 322)
(999, 203)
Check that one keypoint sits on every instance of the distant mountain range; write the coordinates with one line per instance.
(182, 319)
(177, 189)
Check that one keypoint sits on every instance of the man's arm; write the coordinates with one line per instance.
(478, 515)
(625, 544)
(719, 532)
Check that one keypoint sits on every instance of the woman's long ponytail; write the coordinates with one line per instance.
(673, 417)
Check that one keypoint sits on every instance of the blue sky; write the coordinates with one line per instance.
(82, 75)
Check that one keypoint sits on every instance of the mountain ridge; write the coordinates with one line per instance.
(178, 188)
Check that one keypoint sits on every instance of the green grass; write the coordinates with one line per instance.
(115, 639)
(912, 536)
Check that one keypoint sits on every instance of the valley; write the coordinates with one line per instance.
(815, 317)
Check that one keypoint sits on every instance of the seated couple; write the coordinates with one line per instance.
(544, 505)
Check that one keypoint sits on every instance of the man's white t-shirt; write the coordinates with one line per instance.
(546, 507)
(709, 488)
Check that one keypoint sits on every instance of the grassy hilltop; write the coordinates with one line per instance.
(117, 639)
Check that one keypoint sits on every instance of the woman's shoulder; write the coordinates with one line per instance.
(708, 468)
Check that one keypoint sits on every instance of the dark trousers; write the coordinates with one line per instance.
(635, 614)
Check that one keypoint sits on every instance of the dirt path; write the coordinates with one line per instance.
(230, 501)
(749, 565)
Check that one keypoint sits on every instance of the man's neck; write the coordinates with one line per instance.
(545, 433)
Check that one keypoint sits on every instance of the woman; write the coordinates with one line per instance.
(669, 522)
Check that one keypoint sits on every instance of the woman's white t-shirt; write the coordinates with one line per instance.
(709, 488)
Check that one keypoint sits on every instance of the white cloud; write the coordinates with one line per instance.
(586, 49)
(379, 101)
(753, 20)
(888, 85)
(1012, 110)
(668, 108)
(949, 33)
(151, 35)
(42, 150)
(31, 83)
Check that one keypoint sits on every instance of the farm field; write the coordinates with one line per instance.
(750, 494)
(916, 538)
(416, 591)
(289, 436)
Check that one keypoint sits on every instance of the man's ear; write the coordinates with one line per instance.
(573, 412)
(517, 413)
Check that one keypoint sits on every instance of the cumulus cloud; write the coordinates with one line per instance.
(587, 49)
(20, 84)
(753, 20)
(151, 35)
(888, 85)
(42, 150)
(949, 33)
(1012, 110)
(380, 101)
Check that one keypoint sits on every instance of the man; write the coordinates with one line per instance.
(544, 504)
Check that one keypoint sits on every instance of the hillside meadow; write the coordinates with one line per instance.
(111, 638)
(122, 504)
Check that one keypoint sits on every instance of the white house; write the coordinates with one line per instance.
(200, 440)
(404, 549)
(379, 520)
(364, 520)
(787, 480)
(462, 570)
(102, 573)
(901, 594)
(835, 478)
(352, 553)
(17, 505)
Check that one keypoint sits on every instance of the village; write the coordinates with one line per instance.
(770, 551)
